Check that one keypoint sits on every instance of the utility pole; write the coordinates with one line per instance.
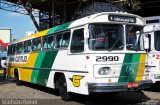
(53, 13)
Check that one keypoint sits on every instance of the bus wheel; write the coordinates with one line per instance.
(63, 89)
(16, 78)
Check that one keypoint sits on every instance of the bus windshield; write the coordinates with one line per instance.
(157, 40)
(134, 37)
(106, 37)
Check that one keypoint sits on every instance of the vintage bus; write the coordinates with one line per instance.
(103, 52)
(152, 29)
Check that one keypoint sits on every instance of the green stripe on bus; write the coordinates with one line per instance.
(134, 67)
(58, 28)
(47, 62)
(37, 65)
(124, 74)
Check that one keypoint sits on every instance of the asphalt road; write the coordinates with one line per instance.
(10, 93)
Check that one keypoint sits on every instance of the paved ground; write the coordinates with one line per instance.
(2, 79)
(10, 93)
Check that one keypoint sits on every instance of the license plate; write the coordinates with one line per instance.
(133, 85)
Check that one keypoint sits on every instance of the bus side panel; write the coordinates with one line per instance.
(46, 65)
(74, 69)
(154, 61)
(36, 67)
(27, 70)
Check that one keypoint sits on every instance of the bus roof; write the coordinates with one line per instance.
(95, 18)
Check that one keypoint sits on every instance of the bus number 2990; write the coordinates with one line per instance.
(106, 58)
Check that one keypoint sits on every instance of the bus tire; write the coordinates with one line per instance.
(16, 78)
(63, 89)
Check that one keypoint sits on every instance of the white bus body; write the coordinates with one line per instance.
(153, 31)
(105, 54)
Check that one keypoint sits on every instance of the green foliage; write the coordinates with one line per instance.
(135, 4)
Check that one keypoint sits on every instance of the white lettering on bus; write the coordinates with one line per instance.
(21, 59)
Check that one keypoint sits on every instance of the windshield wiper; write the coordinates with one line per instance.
(110, 49)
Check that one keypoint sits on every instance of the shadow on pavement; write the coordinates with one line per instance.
(154, 88)
(124, 98)
(41, 88)
(3, 79)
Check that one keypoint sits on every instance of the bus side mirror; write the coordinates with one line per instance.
(147, 42)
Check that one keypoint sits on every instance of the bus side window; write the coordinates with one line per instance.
(13, 49)
(36, 44)
(50, 42)
(58, 41)
(45, 43)
(34, 47)
(27, 46)
(19, 48)
(65, 40)
(9, 50)
(157, 40)
(77, 43)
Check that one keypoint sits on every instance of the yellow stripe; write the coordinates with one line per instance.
(141, 67)
(38, 34)
(25, 73)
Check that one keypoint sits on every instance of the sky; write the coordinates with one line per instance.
(18, 23)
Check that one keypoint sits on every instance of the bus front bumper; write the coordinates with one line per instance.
(116, 87)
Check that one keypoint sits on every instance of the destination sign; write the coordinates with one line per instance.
(118, 18)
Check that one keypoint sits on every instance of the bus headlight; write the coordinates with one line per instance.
(104, 71)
